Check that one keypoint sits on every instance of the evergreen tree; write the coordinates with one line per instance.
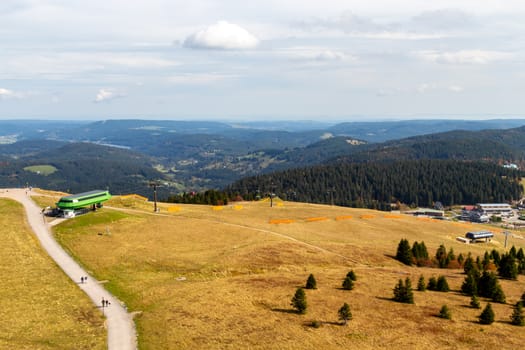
(299, 301)
(494, 254)
(507, 267)
(409, 294)
(311, 283)
(352, 275)
(474, 302)
(404, 253)
(520, 255)
(348, 283)
(403, 292)
(344, 313)
(442, 284)
(445, 312)
(498, 296)
(523, 297)
(470, 285)
(512, 252)
(442, 256)
(517, 318)
(469, 264)
(432, 283)
(421, 286)
(461, 259)
(487, 315)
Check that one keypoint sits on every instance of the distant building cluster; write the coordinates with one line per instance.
(482, 212)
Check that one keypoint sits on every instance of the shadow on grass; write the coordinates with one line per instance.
(286, 311)
(318, 324)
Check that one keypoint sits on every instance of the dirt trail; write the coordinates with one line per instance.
(121, 329)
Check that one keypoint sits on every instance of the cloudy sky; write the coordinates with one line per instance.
(262, 59)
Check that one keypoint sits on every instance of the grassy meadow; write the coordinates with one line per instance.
(222, 277)
(40, 307)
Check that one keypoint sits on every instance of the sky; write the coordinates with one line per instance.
(262, 59)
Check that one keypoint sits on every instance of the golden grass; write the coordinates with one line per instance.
(224, 279)
(40, 307)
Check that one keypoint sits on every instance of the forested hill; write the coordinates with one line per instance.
(375, 185)
(79, 167)
(491, 145)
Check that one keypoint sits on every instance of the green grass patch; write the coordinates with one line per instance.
(44, 170)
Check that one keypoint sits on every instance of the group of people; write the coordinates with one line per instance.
(83, 279)
(105, 302)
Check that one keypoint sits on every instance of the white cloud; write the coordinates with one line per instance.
(329, 55)
(456, 88)
(7, 94)
(104, 95)
(222, 36)
(464, 56)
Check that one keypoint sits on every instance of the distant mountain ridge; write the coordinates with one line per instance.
(196, 155)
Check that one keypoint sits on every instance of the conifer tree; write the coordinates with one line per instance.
(311, 283)
(498, 296)
(404, 253)
(348, 283)
(442, 256)
(445, 312)
(461, 259)
(470, 285)
(409, 294)
(421, 286)
(507, 267)
(403, 292)
(352, 275)
(474, 302)
(487, 315)
(469, 264)
(432, 283)
(442, 284)
(345, 314)
(517, 318)
(299, 301)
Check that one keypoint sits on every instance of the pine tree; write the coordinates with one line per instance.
(442, 256)
(445, 312)
(442, 284)
(299, 301)
(344, 313)
(432, 283)
(517, 318)
(487, 315)
(474, 302)
(507, 267)
(470, 285)
(409, 294)
(311, 283)
(404, 254)
(498, 296)
(352, 275)
(421, 286)
(461, 259)
(348, 283)
(469, 264)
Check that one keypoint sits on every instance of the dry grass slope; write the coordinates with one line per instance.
(224, 279)
(40, 308)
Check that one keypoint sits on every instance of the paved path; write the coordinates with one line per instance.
(121, 329)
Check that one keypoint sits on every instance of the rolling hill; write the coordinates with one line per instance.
(204, 277)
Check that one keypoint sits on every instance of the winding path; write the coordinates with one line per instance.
(121, 329)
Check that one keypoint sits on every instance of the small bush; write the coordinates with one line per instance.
(315, 324)
(517, 318)
(344, 313)
(445, 312)
(474, 302)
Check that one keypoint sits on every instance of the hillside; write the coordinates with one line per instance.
(77, 167)
(216, 277)
(377, 184)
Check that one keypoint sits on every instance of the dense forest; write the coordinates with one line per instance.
(376, 185)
